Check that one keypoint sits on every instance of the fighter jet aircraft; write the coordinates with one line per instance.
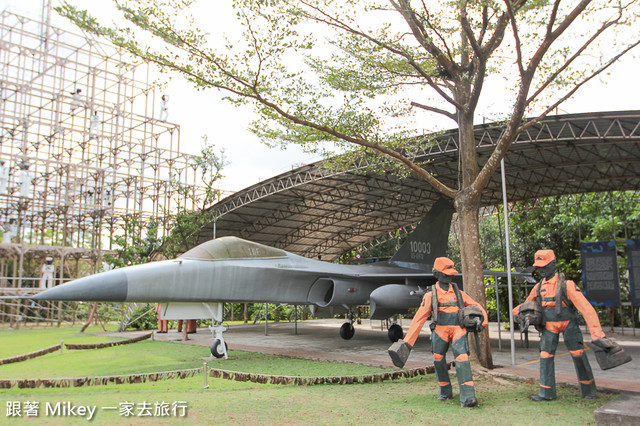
(231, 269)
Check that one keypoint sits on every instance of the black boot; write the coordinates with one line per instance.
(469, 402)
(538, 397)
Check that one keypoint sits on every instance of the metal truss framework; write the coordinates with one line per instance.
(623, 199)
(316, 211)
(82, 146)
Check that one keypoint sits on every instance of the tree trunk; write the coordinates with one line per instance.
(472, 273)
(59, 313)
(91, 314)
(467, 203)
(185, 330)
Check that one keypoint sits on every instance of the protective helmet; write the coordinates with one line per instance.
(530, 314)
(543, 258)
(444, 265)
(472, 318)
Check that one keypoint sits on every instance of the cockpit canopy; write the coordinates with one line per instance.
(232, 248)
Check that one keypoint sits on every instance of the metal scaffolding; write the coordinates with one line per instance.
(83, 147)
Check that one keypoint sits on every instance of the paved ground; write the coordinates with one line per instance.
(320, 339)
(624, 410)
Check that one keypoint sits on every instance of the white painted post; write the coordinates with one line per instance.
(506, 233)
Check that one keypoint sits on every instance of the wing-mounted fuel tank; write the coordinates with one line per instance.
(340, 292)
(393, 299)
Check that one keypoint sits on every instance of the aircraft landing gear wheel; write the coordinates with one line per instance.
(216, 348)
(347, 331)
(395, 333)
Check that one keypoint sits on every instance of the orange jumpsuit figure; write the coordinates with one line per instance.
(562, 319)
(191, 325)
(163, 325)
(447, 331)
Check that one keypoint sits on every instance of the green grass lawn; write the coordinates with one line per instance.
(24, 340)
(409, 401)
(406, 401)
(251, 362)
(141, 357)
(152, 356)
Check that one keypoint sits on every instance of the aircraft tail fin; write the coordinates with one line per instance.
(429, 240)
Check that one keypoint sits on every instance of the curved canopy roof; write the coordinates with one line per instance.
(313, 211)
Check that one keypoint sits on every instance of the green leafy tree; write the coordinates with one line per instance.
(562, 223)
(381, 55)
(187, 222)
(144, 318)
(137, 243)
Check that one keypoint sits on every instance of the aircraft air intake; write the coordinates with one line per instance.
(338, 292)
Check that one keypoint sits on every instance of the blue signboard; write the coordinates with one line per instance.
(633, 256)
(600, 273)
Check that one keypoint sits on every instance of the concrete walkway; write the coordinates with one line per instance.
(320, 339)
(624, 410)
(620, 379)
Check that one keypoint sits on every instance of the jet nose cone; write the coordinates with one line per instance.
(108, 286)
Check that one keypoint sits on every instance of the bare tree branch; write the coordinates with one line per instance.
(436, 110)
(572, 59)
(389, 152)
(470, 36)
(552, 17)
(343, 26)
(552, 36)
(579, 85)
(433, 28)
(516, 36)
(409, 16)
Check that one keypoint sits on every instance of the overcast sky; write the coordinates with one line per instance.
(204, 112)
(199, 113)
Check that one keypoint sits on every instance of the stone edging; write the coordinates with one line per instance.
(216, 373)
(72, 346)
(97, 381)
(106, 344)
(30, 355)
(308, 381)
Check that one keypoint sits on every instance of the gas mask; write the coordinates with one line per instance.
(442, 278)
(548, 271)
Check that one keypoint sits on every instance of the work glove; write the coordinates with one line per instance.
(399, 353)
(609, 354)
(606, 345)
